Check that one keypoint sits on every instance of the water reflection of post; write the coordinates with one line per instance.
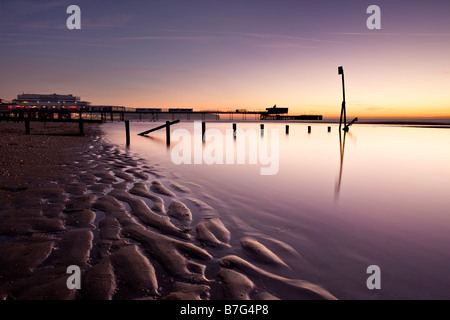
(342, 149)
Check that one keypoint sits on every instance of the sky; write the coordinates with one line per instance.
(246, 54)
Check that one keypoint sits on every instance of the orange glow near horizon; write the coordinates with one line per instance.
(241, 61)
(362, 104)
(390, 86)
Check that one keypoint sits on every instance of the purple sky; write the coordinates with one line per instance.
(232, 54)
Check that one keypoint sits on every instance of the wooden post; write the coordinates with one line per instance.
(168, 133)
(343, 109)
(287, 129)
(347, 127)
(234, 130)
(262, 129)
(27, 126)
(329, 129)
(309, 129)
(203, 130)
(159, 127)
(127, 131)
(81, 125)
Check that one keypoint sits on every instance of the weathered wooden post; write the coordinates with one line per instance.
(234, 130)
(203, 130)
(346, 128)
(168, 133)
(81, 125)
(287, 129)
(343, 109)
(159, 127)
(127, 131)
(27, 126)
(329, 129)
(262, 129)
(309, 129)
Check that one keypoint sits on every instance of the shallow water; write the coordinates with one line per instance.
(375, 196)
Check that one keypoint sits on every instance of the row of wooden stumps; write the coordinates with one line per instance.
(261, 127)
(328, 129)
(169, 123)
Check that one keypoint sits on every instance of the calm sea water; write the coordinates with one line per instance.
(378, 195)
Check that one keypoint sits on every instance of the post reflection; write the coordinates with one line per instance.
(342, 137)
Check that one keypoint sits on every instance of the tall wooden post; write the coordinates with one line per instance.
(343, 109)
(27, 126)
(81, 125)
(168, 133)
(203, 130)
(127, 131)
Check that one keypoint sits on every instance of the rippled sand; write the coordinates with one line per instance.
(134, 233)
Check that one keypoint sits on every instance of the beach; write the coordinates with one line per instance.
(79, 201)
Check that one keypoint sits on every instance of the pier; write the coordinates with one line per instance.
(148, 115)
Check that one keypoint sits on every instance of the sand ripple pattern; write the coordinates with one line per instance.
(135, 235)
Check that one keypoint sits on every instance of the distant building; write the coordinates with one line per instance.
(180, 110)
(276, 113)
(276, 110)
(57, 102)
(54, 101)
(105, 108)
(149, 110)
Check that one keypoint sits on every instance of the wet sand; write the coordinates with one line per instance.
(67, 200)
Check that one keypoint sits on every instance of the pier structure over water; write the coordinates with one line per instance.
(49, 107)
(146, 115)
